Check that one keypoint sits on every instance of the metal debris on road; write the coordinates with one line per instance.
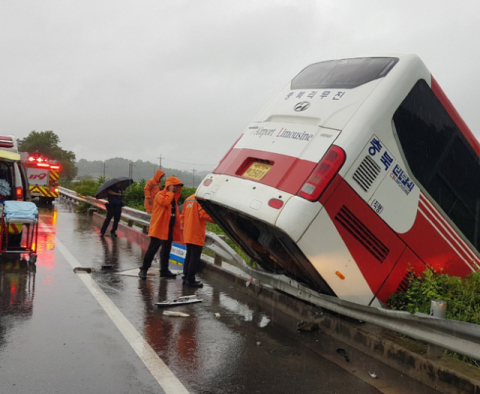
(180, 301)
(177, 314)
(87, 270)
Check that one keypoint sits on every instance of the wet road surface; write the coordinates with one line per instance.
(66, 332)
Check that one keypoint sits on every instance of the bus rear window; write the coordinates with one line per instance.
(344, 74)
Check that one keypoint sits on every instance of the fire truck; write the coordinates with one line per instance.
(43, 177)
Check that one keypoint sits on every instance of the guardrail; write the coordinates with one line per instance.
(129, 214)
(459, 337)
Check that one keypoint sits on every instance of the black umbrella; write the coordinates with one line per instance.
(122, 180)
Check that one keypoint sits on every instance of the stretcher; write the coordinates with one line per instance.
(19, 228)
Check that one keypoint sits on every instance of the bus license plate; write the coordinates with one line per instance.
(257, 171)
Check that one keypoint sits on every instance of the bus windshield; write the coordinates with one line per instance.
(344, 74)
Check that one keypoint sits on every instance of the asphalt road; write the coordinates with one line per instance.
(73, 332)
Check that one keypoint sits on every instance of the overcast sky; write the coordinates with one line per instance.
(182, 79)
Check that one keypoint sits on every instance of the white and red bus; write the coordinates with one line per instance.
(359, 172)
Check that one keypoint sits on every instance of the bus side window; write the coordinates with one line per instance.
(440, 158)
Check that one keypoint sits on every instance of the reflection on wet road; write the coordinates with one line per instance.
(52, 326)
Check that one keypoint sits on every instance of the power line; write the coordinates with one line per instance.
(192, 164)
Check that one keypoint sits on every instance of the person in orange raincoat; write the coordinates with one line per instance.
(194, 225)
(152, 187)
(164, 227)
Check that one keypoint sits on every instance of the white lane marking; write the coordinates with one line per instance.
(164, 376)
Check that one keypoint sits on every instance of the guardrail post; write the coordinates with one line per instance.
(217, 260)
(145, 229)
(438, 309)
(130, 223)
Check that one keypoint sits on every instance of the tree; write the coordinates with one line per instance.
(47, 143)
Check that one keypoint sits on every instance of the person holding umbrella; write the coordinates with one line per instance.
(112, 190)
(164, 227)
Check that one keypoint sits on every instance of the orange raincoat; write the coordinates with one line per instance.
(194, 222)
(162, 211)
(152, 187)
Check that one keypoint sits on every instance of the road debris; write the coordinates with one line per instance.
(180, 301)
(174, 313)
(343, 353)
(86, 270)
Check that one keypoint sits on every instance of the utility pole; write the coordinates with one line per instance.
(193, 177)
(160, 164)
(130, 170)
(104, 166)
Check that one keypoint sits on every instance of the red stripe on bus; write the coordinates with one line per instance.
(287, 173)
(443, 257)
(444, 228)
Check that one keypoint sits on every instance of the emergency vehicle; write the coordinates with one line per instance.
(13, 183)
(12, 170)
(43, 177)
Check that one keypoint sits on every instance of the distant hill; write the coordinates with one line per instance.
(138, 170)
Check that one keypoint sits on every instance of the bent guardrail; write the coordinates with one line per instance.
(459, 337)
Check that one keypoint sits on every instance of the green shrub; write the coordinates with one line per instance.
(85, 187)
(134, 195)
(462, 296)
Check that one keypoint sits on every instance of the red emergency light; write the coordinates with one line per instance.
(41, 162)
(6, 142)
(19, 193)
(38, 161)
